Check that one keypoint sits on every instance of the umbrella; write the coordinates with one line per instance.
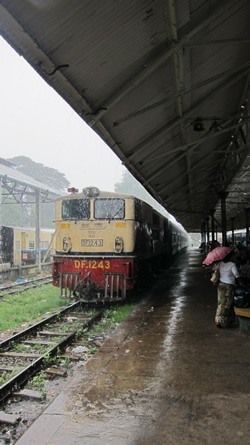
(217, 254)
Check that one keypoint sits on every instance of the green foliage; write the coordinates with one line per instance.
(19, 347)
(38, 382)
(92, 349)
(51, 359)
(25, 307)
(113, 317)
(11, 211)
(22, 347)
(5, 376)
(40, 172)
(48, 360)
(131, 186)
(66, 329)
(64, 362)
(118, 314)
(79, 333)
(24, 213)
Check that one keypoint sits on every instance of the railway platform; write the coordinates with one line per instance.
(168, 376)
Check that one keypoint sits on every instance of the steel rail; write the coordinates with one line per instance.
(36, 326)
(20, 287)
(23, 376)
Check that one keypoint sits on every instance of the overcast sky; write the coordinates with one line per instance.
(36, 122)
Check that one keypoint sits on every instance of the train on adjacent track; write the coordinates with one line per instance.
(18, 246)
(239, 237)
(106, 243)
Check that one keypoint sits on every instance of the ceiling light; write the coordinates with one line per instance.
(215, 126)
(198, 124)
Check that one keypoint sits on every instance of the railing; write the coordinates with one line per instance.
(115, 286)
(68, 282)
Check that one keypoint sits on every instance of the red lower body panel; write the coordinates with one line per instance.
(69, 270)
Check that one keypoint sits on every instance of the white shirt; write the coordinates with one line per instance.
(228, 272)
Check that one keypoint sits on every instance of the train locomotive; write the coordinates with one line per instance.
(106, 243)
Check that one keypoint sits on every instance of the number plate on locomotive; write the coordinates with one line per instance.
(92, 242)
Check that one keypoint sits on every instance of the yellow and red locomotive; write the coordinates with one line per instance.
(106, 242)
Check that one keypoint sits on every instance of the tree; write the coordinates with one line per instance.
(40, 172)
(10, 210)
(14, 213)
(131, 186)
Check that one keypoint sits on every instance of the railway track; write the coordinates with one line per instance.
(22, 286)
(24, 354)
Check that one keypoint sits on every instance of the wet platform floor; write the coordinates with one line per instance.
(167, 377)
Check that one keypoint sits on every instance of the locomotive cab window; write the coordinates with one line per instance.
(76, 209)
(109, 209)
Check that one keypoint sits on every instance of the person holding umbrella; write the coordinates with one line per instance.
(229, 276)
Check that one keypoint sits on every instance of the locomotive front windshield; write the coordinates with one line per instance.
(76, 209)
(109, 209)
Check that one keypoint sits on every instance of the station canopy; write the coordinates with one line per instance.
(17, 185)
(165, 83)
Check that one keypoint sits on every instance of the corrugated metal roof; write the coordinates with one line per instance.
(141, 73)
(13, 178)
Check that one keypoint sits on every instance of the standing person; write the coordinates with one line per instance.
(229, 275)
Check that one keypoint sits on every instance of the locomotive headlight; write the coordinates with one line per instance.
(67, 244)
(91, 191)
(119, 244)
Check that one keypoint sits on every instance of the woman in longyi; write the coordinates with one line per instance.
(228, 277)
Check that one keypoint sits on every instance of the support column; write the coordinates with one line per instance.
(232, 227)
(207, 229)
(216, 233)
(212, 225)
(38, 229)
(223, 196)
(247, 225)
(1, 256)
(203, 232)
